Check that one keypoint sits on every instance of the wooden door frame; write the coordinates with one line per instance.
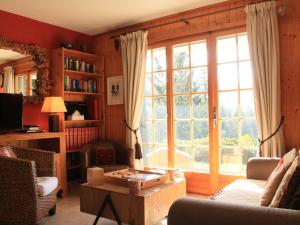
(214, 180)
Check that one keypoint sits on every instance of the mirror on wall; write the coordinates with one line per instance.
(24, 68)
(18, 73)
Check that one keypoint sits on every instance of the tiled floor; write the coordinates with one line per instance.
(68, 212)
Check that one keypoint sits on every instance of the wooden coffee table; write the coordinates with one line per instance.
(146, 208)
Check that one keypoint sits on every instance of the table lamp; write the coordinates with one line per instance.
(53, 105)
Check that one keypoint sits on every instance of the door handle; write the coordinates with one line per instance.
(215, 117)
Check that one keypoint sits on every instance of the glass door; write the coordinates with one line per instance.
(236, 113)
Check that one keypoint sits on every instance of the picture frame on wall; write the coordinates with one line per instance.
(115, 90)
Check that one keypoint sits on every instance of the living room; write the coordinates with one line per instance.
(161, 112)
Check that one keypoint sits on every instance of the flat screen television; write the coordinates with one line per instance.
(11, 111)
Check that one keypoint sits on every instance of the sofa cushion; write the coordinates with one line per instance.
(276, 177)
(243, 191)
(288, 187)
(7, 151)
(46, 185)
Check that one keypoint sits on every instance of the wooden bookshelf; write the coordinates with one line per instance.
(67, 67)
(81, 93)
(80, 123)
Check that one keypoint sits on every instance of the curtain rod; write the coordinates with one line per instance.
(183, 20)
(186, 20)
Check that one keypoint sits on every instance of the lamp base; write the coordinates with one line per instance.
(53, 123)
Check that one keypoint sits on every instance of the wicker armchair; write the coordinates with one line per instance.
(20, 201)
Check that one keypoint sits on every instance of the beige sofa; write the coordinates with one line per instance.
(236, 204)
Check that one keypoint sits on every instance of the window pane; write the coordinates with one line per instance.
(160, 156)
(245, 75)
(201, 135)
(160, 107)
(247, 104)
(201, 159)
(228, 104)
(231, 161)
(182, 107)
(247, 154)
(248, 133)
(159, 83)
(199, 79)
(148, 85)
(198, 54)
(226, 49)
(229, 133)
(147, 109)
(181, 56)
(183, 132)
(146, 132)
(243, 47)
(161, 132)
(184, 157)
(181, 81)
(33, 81)
(147, 154)
(200, 106)
(159, 59)
(148, 62)
(227, 76)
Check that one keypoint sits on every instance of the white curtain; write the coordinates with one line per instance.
(134, 51)
(262, 29)
(9, 80)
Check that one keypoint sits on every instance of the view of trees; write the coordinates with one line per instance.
(237, 125)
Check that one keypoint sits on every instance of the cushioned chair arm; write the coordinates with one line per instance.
(207, 212)
(18, 191)
(130, 157)
(44, 160)
(85, 156)
(124, 155)
(261, 168)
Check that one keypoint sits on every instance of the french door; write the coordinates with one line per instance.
(198, 113)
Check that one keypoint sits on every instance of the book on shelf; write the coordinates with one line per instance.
(79, 65)
(80, 85)
(78, 137)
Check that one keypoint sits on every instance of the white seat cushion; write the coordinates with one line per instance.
(46, 185)
(242, 191)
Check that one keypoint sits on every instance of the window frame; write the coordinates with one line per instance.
(199, 182)
(29, 74)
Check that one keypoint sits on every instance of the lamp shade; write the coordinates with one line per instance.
(54, 105)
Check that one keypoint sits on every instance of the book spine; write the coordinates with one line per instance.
(67, 139)
(71, 139)
(79, 136)
(75, 138)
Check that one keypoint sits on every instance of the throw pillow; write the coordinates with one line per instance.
(7, 152)
(104, 153)
(288, 186)
(276, 177)
(296, 200)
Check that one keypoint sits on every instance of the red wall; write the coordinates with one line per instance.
(26, 30)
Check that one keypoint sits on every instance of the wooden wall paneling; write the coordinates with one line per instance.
(289, 35)
(289, 31)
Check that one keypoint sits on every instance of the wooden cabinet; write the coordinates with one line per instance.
(79, 79)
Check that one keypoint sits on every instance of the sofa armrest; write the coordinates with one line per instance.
(44, 160)
(124, 155)
(261, 168)
(193, 211)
